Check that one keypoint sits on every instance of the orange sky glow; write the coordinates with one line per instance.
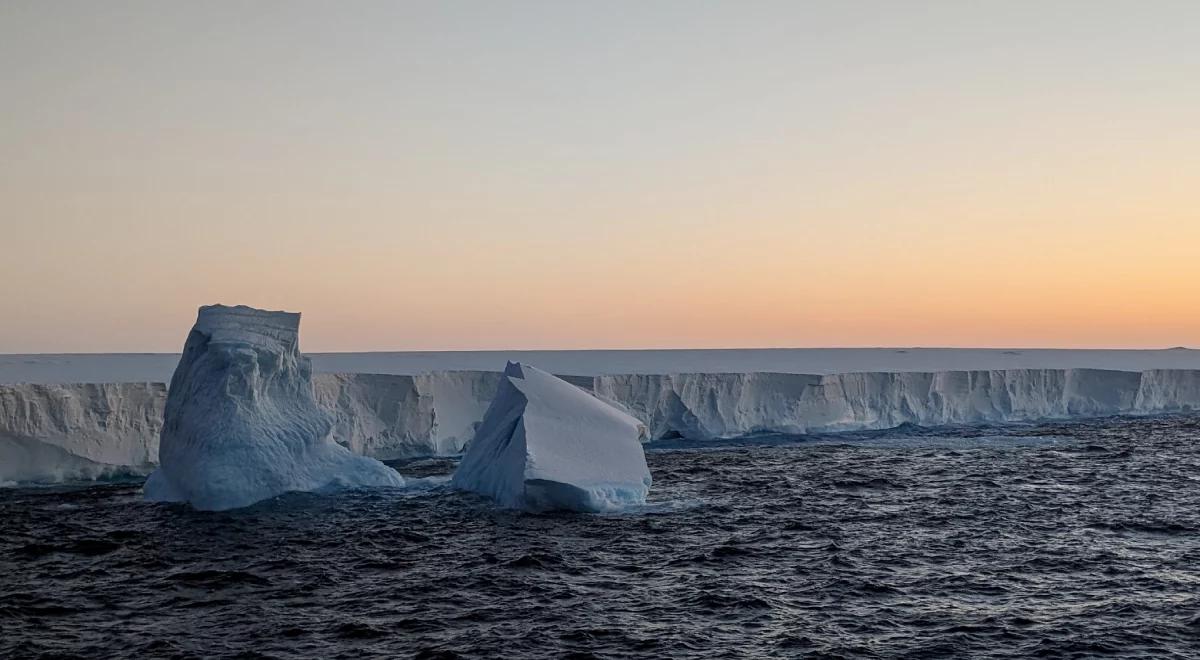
(682, 175)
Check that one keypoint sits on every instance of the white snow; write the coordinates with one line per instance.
(241, 423)
(545, 444)
(150, 367)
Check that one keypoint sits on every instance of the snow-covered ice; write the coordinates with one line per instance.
(393, 416)
(52, 433)
(545, 444)
(241, 423)
(705, 406)
(114, 427)
(152, 367)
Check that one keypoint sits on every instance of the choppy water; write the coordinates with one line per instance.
(1076, 540)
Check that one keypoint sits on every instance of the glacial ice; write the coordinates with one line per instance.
(141, 367)
(545, 444)
(241, 423)
(706, 406)
(53, 433)
(111, 423)
(1168, 390)
(391, 416)
(25, 460)
(116, 426)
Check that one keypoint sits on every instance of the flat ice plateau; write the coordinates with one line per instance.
(241, 423)
(81, 416)
(158, 367)
(545, 445)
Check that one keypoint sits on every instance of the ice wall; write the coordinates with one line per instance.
(1168, 390)
(62, 432)
(391, 417)
(704, 406)
(241, 423)
(437, 413)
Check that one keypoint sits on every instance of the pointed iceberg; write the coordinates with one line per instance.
(544, 444)
(241, 423)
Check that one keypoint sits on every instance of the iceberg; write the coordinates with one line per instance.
(545, 444)
(241, 423)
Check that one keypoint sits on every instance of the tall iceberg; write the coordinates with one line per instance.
(545, 444)
(241, 423)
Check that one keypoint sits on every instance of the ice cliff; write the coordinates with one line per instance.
(706, 406)
(69, 432)
(390, 417)
(115, 426)
(241, 423)
(545, 444)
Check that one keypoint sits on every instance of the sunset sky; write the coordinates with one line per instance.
(461, 175)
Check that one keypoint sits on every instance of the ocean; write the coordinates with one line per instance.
(1077, 539)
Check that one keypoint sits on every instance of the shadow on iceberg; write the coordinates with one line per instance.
(241, 423)
(30, 461)
(545, 445)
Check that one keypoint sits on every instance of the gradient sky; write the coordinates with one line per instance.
(456, 175)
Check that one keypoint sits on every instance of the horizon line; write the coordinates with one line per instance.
(636, 350)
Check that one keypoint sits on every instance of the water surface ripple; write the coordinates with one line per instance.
(1072, 540)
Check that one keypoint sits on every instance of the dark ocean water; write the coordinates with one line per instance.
(1075, 540)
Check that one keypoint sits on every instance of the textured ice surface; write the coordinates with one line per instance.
(51, 433)
(114, 423)
(545, 444)
(703, 406)
(241, 423)
(396, 416)
(1168, 390)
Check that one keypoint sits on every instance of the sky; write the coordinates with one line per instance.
(564, 174)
